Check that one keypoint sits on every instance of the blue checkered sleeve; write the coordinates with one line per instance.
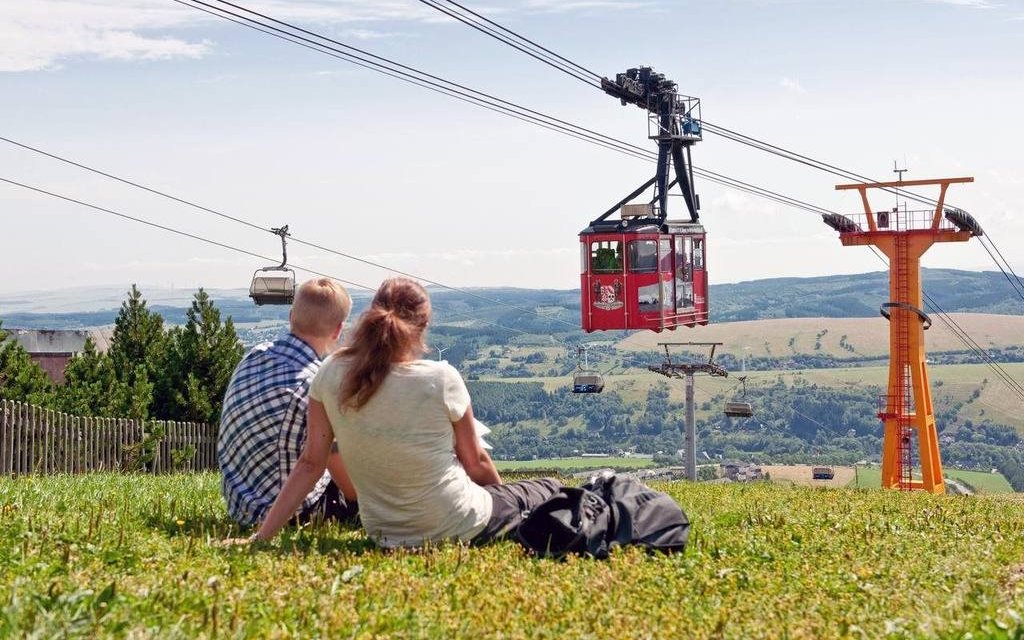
(263, 426)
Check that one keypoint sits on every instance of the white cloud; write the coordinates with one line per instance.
(39, 34)
(789, 84)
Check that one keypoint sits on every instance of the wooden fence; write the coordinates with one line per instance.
(41, 441)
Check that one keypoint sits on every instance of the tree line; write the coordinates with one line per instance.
(150, 371)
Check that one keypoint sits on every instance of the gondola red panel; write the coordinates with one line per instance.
(643, 279)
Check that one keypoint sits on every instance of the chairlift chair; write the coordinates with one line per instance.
(740, 408)
(274, 285)
(586, 380)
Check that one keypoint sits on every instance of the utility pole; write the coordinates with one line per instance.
(687, 370)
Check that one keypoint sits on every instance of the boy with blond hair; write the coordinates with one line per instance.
(263, 424)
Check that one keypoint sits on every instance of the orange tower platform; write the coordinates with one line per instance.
(906, 409)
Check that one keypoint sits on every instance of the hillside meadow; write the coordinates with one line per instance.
(950, 383)
(865, 337)
(122, 556)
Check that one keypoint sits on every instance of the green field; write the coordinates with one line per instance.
(950, 383)
(981, 482)
(836, 337)
(116, 556)
(574, 464)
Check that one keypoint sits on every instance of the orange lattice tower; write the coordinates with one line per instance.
(906, 409)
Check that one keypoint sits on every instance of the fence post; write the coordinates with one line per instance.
(190, 464)
(45, 458)
(62, 437)
(6, 437)
(90, 444)
(33, 436)
(106, 441)
(22, 438)
(5, 432)
(76, 445)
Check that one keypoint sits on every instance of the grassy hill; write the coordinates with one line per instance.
(114, 556)
(842, 296)
(952, 385)
(840, 338)
(858, 295)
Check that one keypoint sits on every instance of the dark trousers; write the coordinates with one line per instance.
(512, 502)
(331, 507)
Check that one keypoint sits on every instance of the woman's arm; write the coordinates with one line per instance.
(309, 468)
(474, 459)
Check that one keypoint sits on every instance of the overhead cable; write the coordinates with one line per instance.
(530, 48)
(231, 247)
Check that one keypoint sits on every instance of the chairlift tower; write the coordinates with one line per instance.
(906, 408)
(688, 370)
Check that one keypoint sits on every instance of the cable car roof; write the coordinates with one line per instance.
(643, 225)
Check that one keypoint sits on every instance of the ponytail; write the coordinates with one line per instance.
(390, 331)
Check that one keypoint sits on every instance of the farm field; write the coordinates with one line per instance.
(827, 336)
(800, 474)
(116, 556)
(983, 483)
(954, 382)
(575, 464)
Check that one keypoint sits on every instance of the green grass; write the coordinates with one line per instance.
(574, 464)
(114, 556)
(981, 482)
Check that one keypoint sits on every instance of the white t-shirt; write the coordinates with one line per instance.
(399, 452)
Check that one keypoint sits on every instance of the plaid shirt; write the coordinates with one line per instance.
(263, 426)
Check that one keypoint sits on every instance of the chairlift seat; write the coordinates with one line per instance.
(739, 410)
(276, 289)
(587, 382)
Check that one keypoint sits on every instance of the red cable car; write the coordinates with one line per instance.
(642, 271)
(639, 275)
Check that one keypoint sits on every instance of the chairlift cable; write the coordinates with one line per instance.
(481, 99)
(387, 64)
(966, 338)
(179, 232)
(224, 245)
(294, 239)
(522, 38)
(1006, 262)
(483, 28)
(1018, 288)
(408, 78)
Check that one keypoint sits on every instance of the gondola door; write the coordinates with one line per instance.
(603, 283)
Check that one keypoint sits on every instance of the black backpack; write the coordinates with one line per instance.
(607, 511)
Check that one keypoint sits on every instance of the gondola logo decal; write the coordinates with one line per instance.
(608, 297)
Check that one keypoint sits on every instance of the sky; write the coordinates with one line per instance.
(243, 123)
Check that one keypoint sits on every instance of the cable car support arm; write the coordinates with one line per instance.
(674, 122)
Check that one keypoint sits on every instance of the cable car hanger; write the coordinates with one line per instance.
(275, 289)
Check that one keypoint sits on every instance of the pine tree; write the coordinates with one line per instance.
(92, 387)
(202, 355)
(138, 349)
(21, 378)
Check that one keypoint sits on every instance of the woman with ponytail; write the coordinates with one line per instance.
(405, 430)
